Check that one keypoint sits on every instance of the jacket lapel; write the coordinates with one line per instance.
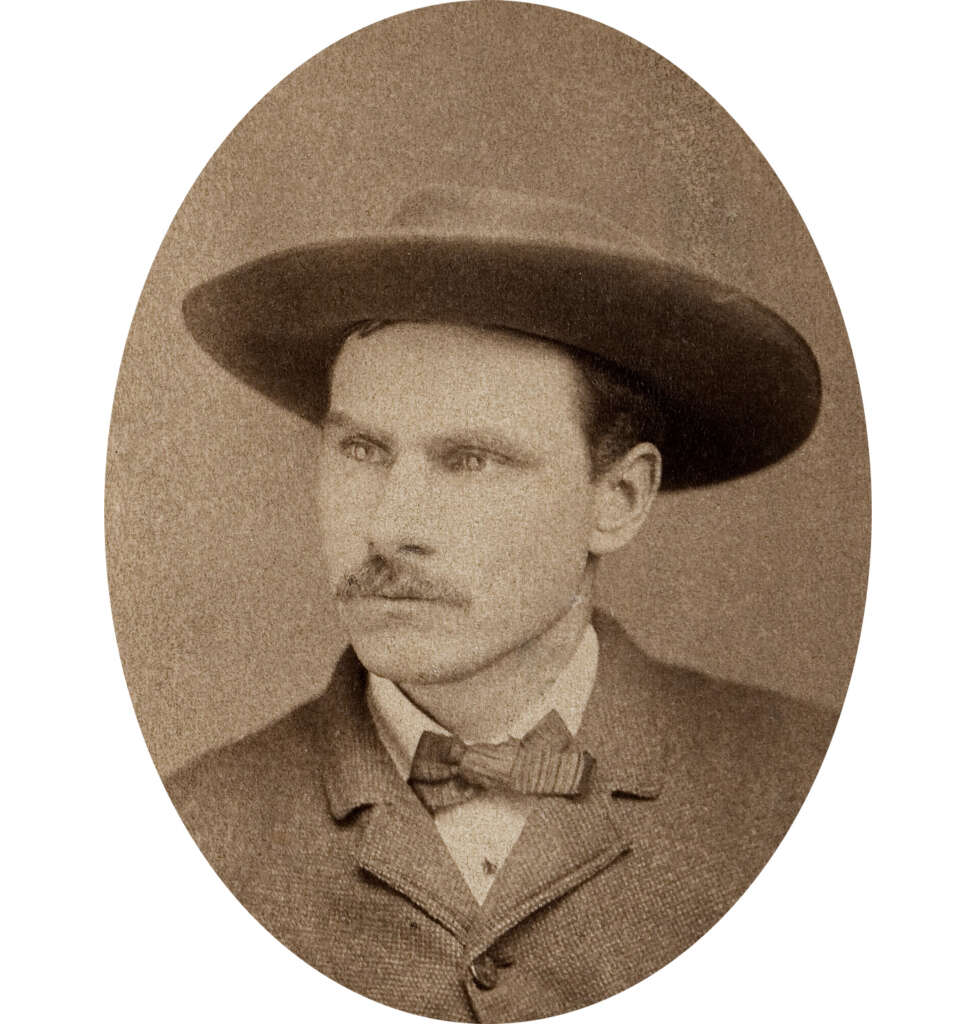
(401, 847)
(564, 844)
(400, 844)
(568, 842)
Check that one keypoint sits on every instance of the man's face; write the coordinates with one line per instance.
(455, 496)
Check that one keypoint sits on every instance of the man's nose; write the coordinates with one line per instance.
(400, 522)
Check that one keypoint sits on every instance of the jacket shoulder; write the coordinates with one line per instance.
(719, 724)
(709, 707)
(226, 790)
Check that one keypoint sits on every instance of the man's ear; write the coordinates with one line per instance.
(624, 494)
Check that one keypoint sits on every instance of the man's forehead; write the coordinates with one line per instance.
(454, 369)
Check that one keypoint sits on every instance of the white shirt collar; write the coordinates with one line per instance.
(400, 723)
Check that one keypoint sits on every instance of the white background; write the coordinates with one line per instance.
(865, 111)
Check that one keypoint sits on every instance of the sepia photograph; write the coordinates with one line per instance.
(462, 578)
(487, 512)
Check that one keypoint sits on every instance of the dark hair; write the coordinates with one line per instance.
(618, 408)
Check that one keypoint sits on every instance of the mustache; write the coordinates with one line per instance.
(380, 576)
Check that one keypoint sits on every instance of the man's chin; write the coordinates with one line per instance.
(407, 656)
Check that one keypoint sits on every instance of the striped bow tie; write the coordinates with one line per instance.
(447, 771)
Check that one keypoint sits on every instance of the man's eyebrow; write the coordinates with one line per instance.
(343, 421)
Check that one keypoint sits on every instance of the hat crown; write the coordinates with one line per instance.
(460, 212)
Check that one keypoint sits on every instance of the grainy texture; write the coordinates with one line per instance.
(696, 782)
(213, 544)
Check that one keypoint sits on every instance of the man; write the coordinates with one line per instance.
(500, 808)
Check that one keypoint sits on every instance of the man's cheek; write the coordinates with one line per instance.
(343, 550)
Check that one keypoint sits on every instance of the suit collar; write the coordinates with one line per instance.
(399, 844)
(565, 842)
(622, 726)
(357, 771)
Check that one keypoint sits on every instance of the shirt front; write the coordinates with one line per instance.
(481, 832)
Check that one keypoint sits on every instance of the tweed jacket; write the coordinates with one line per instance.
(696, 782)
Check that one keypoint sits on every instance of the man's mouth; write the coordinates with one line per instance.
(387, 595)
(383, 579)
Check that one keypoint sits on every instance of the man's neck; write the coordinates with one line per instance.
(483, 707)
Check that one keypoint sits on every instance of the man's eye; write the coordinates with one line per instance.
(469, 462)
(362, 451)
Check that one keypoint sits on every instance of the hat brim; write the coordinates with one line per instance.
(740, 389)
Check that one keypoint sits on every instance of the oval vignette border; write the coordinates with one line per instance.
(646, 38)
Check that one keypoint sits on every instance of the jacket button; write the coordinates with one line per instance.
(484, 971)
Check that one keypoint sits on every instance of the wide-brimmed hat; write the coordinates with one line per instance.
(738, 386)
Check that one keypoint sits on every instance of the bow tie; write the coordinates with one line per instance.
(447, 771)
